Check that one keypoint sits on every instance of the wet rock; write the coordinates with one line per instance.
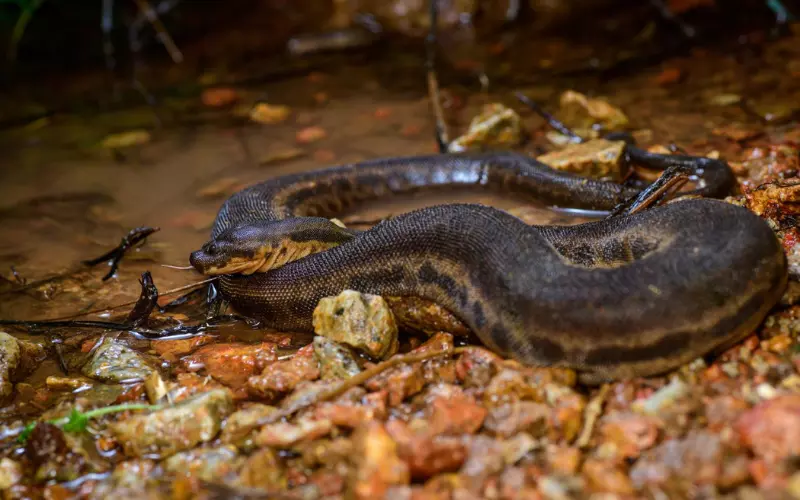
(562, 460)
(603, 475)
(219, 97)
(772, 163)
(263, 470)
(53, 456)
(209, 464)
(476, 366)
(175, 428)
(425, 316)
(510, 385)
(231, 364)
(628, 434)
(518, 416)
(335, 360)
(9, 360)
(310, 134)
(583, 113)
(699, 458)
(269, 114)
(325, 451)
(282, 376)
(568, 408)
(307, 392)
(10, 473)
(376, 465)
(772, 428)
(426, 453)
(497, 127)
(484, 459)
(454, 413)
(115, 362)
(126, 139)
(286, 435)
(515, 448)
(347, 415)
(663, 398)
(775, 111)
(737, 132)
(66, 383)
(597, 158)
(171, 350)
(362, 321)
(242, 422)
(399, 383)
(18, 358)
(407, 380)
(775, 199)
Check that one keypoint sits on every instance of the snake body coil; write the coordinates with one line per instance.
(626, 296)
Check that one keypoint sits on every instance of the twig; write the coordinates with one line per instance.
(115, 255)
(442, 136)
(551, 120)
(148, 300)
(161, 32)
(593, 410)
(354, 381)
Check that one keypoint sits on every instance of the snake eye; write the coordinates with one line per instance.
(211, 249)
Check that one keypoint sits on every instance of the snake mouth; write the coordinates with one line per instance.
(214, 265)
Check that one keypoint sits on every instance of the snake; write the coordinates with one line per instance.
(621, 297)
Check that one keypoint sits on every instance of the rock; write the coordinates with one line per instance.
(699, 458)
(629, 433)
(219, 97)
(603, 475)
(231, 363)
(269, 114)
(510, 385)
(286, 435)
(126, 139)
(376, 465)
(454, 414)
(281, 377)
(497, 127)
(485, 458)
(263, 470)
(310, 134)
(582, 113)
(662, 398)
(359, 320)
(476, 366)
(426, 453)
(335, 360)
(772, 428)
(10, 473)
(10, 355)
(424, 316)
(176, 428)
(208, 464)
(597, 158)
(242, 422)
(115, 362)
(518, 416)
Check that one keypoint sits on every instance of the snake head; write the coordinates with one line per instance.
(266, 245)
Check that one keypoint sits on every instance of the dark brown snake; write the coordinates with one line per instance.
(626, 296)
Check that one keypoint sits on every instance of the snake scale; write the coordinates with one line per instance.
(622, 297)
